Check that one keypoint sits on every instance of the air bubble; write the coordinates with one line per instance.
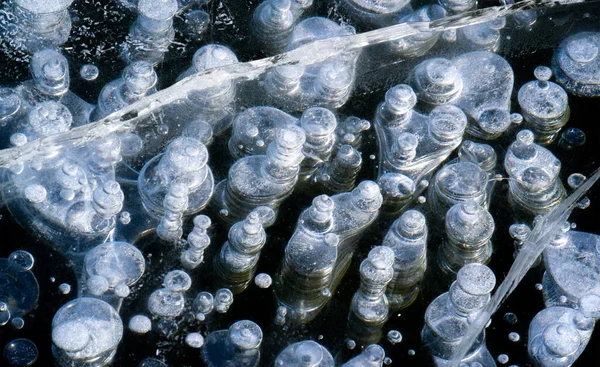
(21, 352)
(21, 260)
(503, 359)
(394, 336)
(194, 340)
(89, 72)
(223, 300)
(125, 218)
(177, 281)
(351, 344)
(514, 337)
(263, 280)
(122, 290)
(64, 288)
(17, 323)
(411, 352)
(163, 129)
(140, 324)
(539, 286)
(97, 285)
(575, 180)
(571, 138)
(387, 361)
(510, 318)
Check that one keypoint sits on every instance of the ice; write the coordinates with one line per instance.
(544, 230)
(371, 356)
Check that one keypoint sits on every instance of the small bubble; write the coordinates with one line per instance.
(163, 129)
(510, 318)
(394, 336)
(194, 340)
(17, 323)
(411, 352)
(125, 218)
(351, 344)
(421, 200)
(514, 337)
(575, 180)
(21, 260)
(224, 212)
(140, 324)
(177, 281)
(52, 279)
(573, 225)
(122, 290)
(387, 361)
(516, 118)
(583, 204)
(263, 280)
(64, 288)
(200, 316)
(97, 285)
(89, 72)
(562, 299)
(320, 337)
(372, 157)
(539, 286)
(503, 359)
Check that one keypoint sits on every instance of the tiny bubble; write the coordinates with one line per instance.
(514, 337)
(125, 218)
(387, 361)
(539, 286)
(263, 280)
(320, 337)
(394, 336)
(503, 359)
(52, 279)
(562, 299)
(573, 225)
(372, 156)
(163, 129)
(194, 340)
(64, 288)
(89, 72)
(421, 200)
(351, 344)
(17, 323)
(510, 318)
(411, 352)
